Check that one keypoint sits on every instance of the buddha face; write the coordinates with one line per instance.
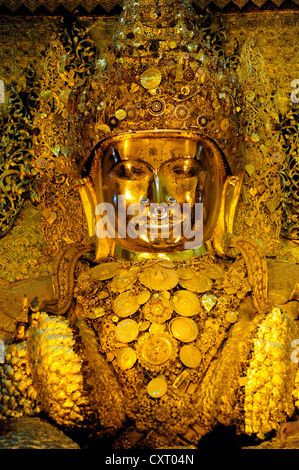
(161, 192)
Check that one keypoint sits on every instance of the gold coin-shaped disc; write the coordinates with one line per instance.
(159, 278)
(198, 283)
(156, 350)
(190, 355)
(126, 331)
(105, 271)
(186, 303)
(125, 305)
(157, 387)
(166, 263)
(151, 78)
(126, 358)
(215, 272)
(120, 114)
(123, 281)
(224, 125)
(143, 296)
(184, 329)
(186, 273)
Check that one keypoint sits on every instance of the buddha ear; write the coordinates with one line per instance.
(90, 201)
(225, 224)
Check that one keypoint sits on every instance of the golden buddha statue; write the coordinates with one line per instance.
(161, 326)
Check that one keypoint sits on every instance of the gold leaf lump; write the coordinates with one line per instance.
(159, 278)
(186, 303)
(157, 328)
(166, 263)
(214, 272)
(98, 312)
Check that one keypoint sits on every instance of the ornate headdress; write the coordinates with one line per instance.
(163, 71)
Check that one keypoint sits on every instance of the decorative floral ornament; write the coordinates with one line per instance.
(158, 309)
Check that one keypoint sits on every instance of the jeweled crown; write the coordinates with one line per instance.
(164, 70)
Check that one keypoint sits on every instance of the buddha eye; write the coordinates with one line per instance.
(187, 171)
(184, 168)
(128, 170)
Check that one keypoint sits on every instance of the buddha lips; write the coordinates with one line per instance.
(151, 222)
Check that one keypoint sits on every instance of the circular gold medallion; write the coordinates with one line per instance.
(181, 112)
(126, 331)
(159, 278)
(186, 273)
(189, 74)
(190, 356)
(131, 114)
(121, 114)
(186, 303)
(155, 349)
(143, 296)
(105, 271)
(156, 107)
(185, 90)
(151, 78)
(224, 125)
(198, 283)
(157, 387)
(184, 329)
(123, 280)
(126, 358)
(158, 310)
(125, 305)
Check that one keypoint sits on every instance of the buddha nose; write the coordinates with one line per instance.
(157, 190)
(157, 198)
